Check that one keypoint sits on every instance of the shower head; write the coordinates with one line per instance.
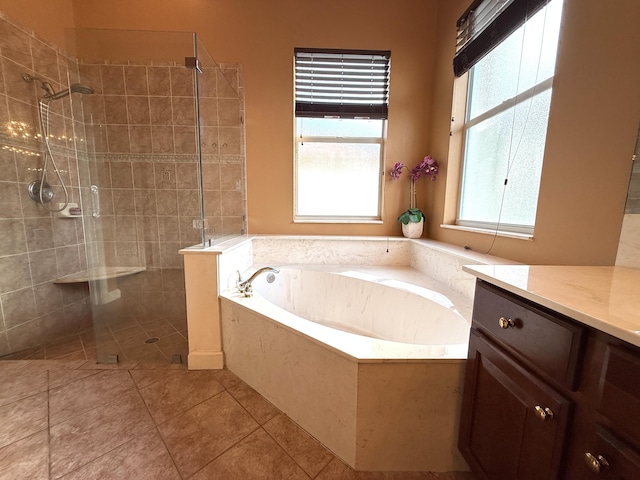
(75, 88)
(46, 86)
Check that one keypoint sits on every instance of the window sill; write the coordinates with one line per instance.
(488, 231)
(354, 220)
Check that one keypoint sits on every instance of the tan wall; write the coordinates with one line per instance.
(48, 18)
(261, 36)
(594, 117)
(592, 130)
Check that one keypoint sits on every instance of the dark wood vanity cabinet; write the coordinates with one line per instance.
(546, 397)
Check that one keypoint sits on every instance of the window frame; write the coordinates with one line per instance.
(339, 110)
(300, 139)
(465, 80)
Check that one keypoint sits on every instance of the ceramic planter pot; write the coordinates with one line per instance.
(413, 229)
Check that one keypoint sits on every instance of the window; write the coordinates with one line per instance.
(341, 108)
(508, 100)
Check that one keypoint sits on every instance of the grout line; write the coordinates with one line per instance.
(287, 451)
(48, 426)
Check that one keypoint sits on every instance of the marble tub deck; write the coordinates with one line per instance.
(75, 419)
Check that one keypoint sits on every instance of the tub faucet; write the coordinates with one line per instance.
(245, 287)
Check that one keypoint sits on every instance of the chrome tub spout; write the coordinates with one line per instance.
(245, 287)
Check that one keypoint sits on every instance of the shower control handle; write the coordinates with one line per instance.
(95, 197)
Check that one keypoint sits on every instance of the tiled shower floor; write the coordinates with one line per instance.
(155, 341)
(75, 419)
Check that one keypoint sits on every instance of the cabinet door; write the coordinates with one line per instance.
(513, 425)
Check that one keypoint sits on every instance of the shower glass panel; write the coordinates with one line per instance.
(221, 131)
(141, 184)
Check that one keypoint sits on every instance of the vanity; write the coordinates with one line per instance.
(552, 384)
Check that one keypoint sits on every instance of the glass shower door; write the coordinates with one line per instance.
(140, 189)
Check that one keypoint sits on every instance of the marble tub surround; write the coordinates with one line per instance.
(375, 416)
(210, 271)
(59, 419)
(386, 401)
(605, 298)
(440, 261)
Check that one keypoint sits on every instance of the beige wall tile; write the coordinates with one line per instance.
(159, 81)
(182, 81)
(135, 78)
(112, 79)
(138, 108)
(160, 111)
(140, 136)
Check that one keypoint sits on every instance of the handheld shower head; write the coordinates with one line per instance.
(51, 93)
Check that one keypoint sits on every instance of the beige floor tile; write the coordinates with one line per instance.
(13, 364)
(78, 355)
(177, 393)
(57, 378)
(336, 469)
(58, 364)
(88, 393)
(23, 418)
(202, 433)
(310, 454)
(86, 436)
(143, 458)
(161, 366)
(226, 378)
(65, 347)
(122, 365)
(144, 378)
(26, 459)
(256, 404)
(17, 384)
(454, 476)
(256, 457)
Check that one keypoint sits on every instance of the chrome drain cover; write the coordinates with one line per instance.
(151, 340)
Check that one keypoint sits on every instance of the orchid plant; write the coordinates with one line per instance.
(428, 167)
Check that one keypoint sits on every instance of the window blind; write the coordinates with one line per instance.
(485, 24)
(342, 83)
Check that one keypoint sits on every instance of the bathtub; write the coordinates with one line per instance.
(369, 360)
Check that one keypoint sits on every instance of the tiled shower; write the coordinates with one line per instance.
(128, 155)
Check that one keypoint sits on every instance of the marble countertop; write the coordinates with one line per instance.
(605, 298)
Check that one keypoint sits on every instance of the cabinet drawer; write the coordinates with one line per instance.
(611, 458)
(620, 390)
(546, 342)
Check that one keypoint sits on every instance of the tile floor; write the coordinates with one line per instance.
(75, 419)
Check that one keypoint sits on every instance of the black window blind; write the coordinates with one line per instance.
(342, 83)
(485, 24)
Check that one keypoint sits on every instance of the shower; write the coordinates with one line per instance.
(40, 191)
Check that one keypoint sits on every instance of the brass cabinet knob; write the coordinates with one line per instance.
(506, 323)
(543, 413)
(597, 463)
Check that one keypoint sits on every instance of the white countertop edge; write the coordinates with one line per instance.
(578, 315)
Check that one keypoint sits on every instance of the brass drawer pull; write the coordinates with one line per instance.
(543, 413)
(597, 464)
(506, 323)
